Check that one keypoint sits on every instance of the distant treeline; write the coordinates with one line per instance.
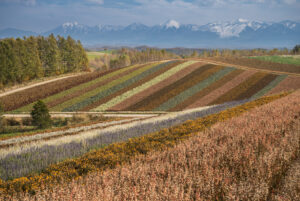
(126, 56)
(237, 52)
(34, 57)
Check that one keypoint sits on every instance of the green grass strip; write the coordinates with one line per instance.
(93, 92)
(77, 88)
(279, 59)
(144, 86)
(193, 90)
(270, 86)
(115, 88)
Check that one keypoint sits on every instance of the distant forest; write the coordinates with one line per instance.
(35, 57)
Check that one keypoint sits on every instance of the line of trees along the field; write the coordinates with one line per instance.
(242, 52)
(125, 57)
(34, 57)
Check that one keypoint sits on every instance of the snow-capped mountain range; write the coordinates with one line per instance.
(240, 33)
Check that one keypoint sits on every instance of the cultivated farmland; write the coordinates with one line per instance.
(190, 101)
(234, 160)
(159, 86)
(14, 161)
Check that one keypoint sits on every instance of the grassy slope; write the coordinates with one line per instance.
(280, 59)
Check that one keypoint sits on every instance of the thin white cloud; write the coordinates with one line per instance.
(25, 2)
(290, 1)
(100, 2)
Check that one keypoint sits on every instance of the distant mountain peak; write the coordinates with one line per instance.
(233, 28)
(171, 24)
(70, 24)
(136, 26)
(241, 20)
(289, 24)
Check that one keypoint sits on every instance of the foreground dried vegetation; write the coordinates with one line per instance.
(244, 158)
(120, 153)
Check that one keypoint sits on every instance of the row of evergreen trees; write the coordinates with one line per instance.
(243, 52)
(128, 57)
(34, 57)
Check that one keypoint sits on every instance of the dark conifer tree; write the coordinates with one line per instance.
(40, 115)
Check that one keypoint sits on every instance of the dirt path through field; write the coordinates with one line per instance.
(70, 114)
(245, 67)
(36, 84)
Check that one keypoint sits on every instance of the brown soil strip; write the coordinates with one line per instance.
(146, 79)
(27, 96)
(89, 88)
(177, 87)
(126, 105)
(241, 88)
(213, 95)
(258, 64)
(207, 90)
(257, 87)
(289, 83)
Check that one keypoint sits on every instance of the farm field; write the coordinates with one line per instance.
(285, 59)
(24, 173)
(159, 86)
(176, 103)
(94, 55)
(259, 64)
(240, 159)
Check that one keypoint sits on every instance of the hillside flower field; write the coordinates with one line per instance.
(199, 131)
(158, 86)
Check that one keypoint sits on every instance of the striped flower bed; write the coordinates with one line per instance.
(224, 80)
(270, 86)
(139, 75)
(146, 85)
(80, 87)
(130, 103)
(193, 90)
(257, 87)
(213, 95)
(81, 91)
(290, 83)
(159, 97)
(89, 94)
(133, 85)
(164, 86)
(240, 89)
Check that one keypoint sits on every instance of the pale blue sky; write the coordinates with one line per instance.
(43, 15)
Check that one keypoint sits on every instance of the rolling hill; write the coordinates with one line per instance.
(159, 86)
